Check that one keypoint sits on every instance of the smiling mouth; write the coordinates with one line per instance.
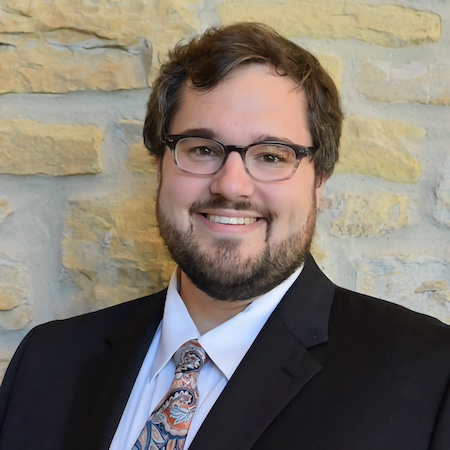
(231, 220)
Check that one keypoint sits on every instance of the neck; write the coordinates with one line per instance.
(207, 312)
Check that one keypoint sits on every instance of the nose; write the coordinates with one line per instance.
(232, 181)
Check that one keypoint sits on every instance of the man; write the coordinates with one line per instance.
(245, 128)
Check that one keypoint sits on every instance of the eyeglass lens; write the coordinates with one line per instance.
(263, 161)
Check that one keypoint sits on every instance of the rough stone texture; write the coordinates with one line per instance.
(5, 210)
(14, 284)
(113, 251)
(15, 313)
(67, 61)
(442, 192)
(139, 158)
(110, 19)
(333, 66)
(163, 23)
(387, 25)
(439, 286)
(380, 148)
(418, 282)
(15, 319)
(28, 147)
(414, 82)
(368, 214)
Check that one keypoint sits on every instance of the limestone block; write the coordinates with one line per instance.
(419, 282)
(162, 23)
(28, 147)
(435, 286)
(387, 25)
(413, 82)
(380, 148)
(15, 319)
(122, 19)
(14, 284)
(369, 214)
(113, 251)
(442, 192)
(65, 61)
(5, 210)
(139, 158)
(15, 313)
(333, 66)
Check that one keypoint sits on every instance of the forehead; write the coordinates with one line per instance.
(250, 102)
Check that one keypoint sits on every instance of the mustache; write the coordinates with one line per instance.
(239, 205)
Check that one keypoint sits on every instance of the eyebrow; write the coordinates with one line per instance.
(207, 133)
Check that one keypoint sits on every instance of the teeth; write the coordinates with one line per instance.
(231, 220)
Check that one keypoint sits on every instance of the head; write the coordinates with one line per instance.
(234, 236)
(207, 59)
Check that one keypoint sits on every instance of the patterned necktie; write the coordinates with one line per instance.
(167, 427)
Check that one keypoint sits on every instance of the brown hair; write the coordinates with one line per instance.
(207, 59)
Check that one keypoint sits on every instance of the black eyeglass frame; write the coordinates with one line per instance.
(301, 151)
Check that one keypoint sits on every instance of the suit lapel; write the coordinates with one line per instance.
(265, 381)
(276, 367)
(107, 379)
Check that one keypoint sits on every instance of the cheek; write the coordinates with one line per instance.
(169, 194)
(172, 195)
(178, 191)
(290, 207)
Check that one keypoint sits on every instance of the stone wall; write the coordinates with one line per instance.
(77, 228)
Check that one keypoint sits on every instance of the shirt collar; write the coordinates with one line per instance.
(226, 344)
(177, 327)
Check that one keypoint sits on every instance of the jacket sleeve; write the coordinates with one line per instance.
(441, 434)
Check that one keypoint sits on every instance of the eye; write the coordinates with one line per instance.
(271, 158)
(197, 148)
(272, 154)
(202, 151)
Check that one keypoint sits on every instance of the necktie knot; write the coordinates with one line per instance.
(190, 357)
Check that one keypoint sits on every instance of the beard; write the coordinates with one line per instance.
(221, 271)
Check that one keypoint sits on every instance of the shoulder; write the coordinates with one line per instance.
(387, 329)
(356, 306)
(85, 329)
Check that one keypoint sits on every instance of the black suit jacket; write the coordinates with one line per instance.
(331, 369)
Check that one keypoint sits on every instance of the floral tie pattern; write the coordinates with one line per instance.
(167, 427)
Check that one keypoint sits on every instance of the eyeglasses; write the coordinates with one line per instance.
(263, 161)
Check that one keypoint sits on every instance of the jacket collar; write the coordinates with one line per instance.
(277, 366)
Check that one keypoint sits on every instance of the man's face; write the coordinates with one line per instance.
(200, 217)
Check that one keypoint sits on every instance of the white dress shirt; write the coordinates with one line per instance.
(225, 346)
